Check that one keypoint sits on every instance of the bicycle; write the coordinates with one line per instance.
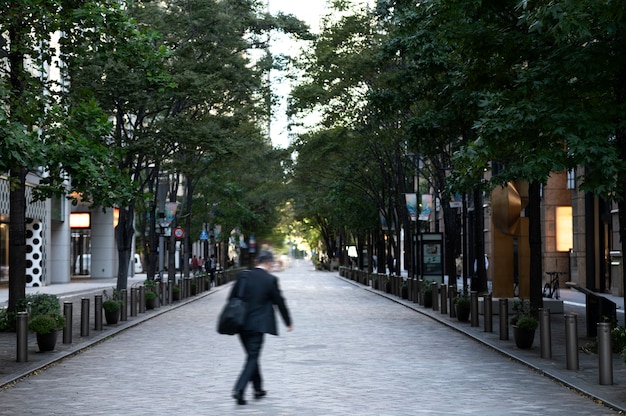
(552, 288)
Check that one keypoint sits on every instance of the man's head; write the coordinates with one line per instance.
(265, 257)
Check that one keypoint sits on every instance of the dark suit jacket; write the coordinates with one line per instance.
(261, 294)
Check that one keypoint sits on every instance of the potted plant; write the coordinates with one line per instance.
(46, 328)
(462, 308)
(150, 293)
(404, 290)
(427, 293)
(112, 306)
(176, 292)
(524, 324)
(150, 298)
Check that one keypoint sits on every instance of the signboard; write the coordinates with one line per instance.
(204, 235)
(179, 232)
(432, 254)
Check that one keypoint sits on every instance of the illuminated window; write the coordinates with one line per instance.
(80, 220)
(564, 229)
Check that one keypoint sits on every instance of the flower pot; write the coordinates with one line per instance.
(112, 317)
(47, 342)
(523, 337)
(462, 313)
(428, 299)
(151, 303)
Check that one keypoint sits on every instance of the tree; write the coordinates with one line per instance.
(44, 125)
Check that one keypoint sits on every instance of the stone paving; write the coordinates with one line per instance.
(353, 351)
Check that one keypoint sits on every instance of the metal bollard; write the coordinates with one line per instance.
(170, 292)
(435, 293)
(84, 317)
(164, 293)
(451, 296)
(67, 313)
(420, 292)
(124, 314)
(444, 299)
(545, 336)
(605, 355)
(98, 312)
(504, 319)
(488, 313)
(21, 324)
(133, 301)
(571, 341)
(474, 308)
(142, 299)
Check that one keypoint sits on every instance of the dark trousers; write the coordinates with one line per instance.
(252, 343)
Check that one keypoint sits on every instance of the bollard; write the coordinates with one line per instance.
(133, 301)
(67, 313)
(571, 341)
(451, 296)
(84, 317)
(420, 292)
(605, 355)
(435, 294)
(488, 313)
(474, 308)
(142, 299)
(124, 314)
(98, 312)
(545, 338)
(444, 299)
(164, 291)
(21, 325)
(170, 292)
(504, 319)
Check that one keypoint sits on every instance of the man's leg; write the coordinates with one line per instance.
(252, 343)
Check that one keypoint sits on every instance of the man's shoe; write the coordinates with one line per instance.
(259, 393)
(238, 395)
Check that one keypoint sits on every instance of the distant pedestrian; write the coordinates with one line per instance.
(261, 294)
(212, 268)
(194, 264)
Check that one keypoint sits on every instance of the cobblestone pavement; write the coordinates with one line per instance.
(353, 351)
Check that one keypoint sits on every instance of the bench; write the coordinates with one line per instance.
(598, 309)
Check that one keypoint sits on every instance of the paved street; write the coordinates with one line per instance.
(352, 352)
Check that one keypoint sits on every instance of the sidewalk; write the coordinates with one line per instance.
(74, 292)
(585, 380)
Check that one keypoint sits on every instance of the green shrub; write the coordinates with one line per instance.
(44, 324)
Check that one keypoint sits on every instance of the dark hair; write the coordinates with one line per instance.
(265, 257)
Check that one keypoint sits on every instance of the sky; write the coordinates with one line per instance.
(310, 11)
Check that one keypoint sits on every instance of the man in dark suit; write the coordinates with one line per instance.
(261, 293)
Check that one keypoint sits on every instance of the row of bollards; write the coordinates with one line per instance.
(443, 298)
(165, 296)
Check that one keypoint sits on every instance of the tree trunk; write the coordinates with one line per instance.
(479, 281)
(534, 241)
(17, 233)
(124, 233)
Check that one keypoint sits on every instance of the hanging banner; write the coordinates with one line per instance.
(411, 205)
(427, 207)
(170, 212)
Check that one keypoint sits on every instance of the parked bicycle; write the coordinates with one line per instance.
(551, 288)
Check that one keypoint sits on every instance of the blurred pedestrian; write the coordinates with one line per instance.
(261, 293)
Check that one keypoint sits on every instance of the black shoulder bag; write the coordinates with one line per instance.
(234, 313)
